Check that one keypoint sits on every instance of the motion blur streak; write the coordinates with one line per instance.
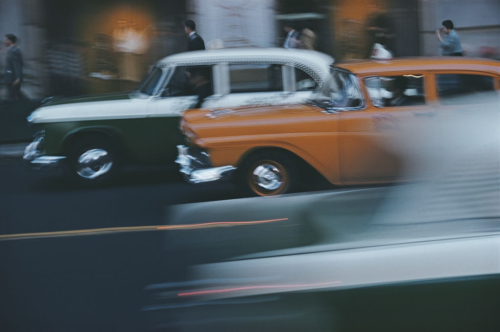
(236, 289)
(111, 230)
(221, 224)
(81, 232)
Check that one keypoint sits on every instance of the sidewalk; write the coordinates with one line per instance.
(12, 151)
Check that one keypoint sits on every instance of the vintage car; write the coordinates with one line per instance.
(342, 132)
(416, 257)
(96, 134)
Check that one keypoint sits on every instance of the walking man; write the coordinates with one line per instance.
(307, 39)
(451, 44)
(292, 37)
(13, 68)
(195, 42)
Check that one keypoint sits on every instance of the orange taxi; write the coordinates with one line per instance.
(340, 133)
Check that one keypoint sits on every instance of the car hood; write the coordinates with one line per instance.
(102, 107)
(52, 101)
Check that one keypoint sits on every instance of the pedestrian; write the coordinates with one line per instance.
(13, 68)
(195, 42)
(292, 37)
(307, 39)
(451, 44)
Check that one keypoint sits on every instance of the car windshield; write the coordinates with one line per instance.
(149, 83)
(338, 91)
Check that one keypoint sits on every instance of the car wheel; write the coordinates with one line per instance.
(267, 174)
(93, 161)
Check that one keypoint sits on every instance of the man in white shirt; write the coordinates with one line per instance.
(451, 44)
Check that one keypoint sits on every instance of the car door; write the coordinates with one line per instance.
(175, 95)
(367, 148)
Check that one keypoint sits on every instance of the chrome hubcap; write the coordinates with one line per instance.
(93, 163)
(268, 177)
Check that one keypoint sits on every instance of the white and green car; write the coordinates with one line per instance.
(95, 135)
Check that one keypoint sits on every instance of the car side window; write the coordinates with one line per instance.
(392, 91)
(186, 79)
(451, 86)
(255, 78)
(303, 81)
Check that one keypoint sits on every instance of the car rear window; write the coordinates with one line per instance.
(451, 86)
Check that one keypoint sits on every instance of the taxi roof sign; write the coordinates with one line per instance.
(380, 53)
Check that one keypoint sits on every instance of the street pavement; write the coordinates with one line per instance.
(84, 282)
(12, 151)
(78, 259)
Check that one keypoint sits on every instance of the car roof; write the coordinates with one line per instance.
(367, 67)
(312, 62)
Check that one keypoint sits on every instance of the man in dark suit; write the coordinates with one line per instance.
(13, 68)
(195, 42)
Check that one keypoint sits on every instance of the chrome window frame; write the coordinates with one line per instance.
(220, 74)
(288, 77)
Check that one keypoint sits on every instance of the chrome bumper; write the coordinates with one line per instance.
(47, 162)
(198, 170)
(32, 157)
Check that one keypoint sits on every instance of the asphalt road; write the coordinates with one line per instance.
(85, 282)
(73, 279)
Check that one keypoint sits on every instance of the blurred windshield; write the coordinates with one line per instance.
(338, 91)
(148, 84)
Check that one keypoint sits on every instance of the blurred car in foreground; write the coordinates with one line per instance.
(95, 134)
(342, 133)
(419, 257)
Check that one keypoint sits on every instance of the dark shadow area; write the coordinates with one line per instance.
(13, 124)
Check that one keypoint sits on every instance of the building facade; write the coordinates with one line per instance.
(477, 23)
(93, 46)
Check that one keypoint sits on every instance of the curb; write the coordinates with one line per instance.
(12, 151)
